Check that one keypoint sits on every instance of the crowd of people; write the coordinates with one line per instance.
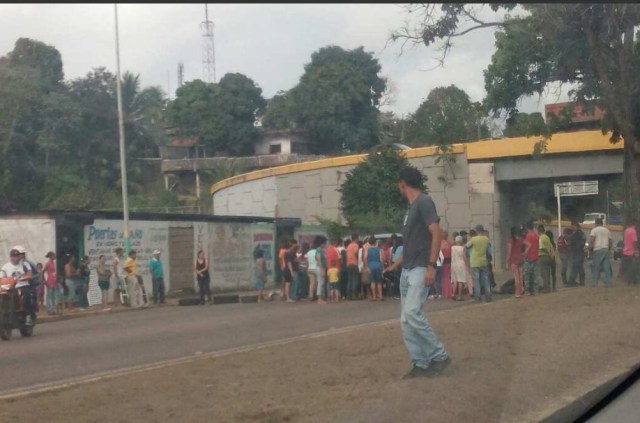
(355, 269)
(332, 272)
(59, 291)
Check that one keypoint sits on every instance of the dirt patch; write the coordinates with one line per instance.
(514, 360)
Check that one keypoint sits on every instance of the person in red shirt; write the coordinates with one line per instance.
(352, 267)
(531, 246)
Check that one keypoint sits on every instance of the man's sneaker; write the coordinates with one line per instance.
(28, 321)
(437, 366)
(417, 372)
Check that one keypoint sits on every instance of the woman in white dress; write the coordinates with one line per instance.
(458, 269)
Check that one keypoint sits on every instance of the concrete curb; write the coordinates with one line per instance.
(58, 318)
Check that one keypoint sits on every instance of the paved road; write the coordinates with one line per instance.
(84, 346)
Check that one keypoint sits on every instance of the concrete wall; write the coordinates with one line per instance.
(553, 167)
(36, 235)
(229, 249)
(252, 198)
(466, 192)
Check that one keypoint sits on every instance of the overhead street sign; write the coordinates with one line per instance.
(572, 189)
(575, 189)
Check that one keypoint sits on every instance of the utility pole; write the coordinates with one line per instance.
(208, 48)
(123, 162)
(180, 74)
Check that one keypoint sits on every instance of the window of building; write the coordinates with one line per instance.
(275, 148)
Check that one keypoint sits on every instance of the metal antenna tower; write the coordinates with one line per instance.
(180, 74)
(208, 50)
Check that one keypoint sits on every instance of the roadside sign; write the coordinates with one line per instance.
(575, 189)
(572, 189)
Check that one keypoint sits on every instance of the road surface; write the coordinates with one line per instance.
(81, 347)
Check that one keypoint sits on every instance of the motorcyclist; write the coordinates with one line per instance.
(33, 282)
(22, 273)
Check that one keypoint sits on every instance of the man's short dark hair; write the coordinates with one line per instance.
(599, 221)
(132, 253)
(412, 177)
(354, 237)
(540, 228)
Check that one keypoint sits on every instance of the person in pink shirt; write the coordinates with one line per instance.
(50, 278)
(630, 255)
(531, 246)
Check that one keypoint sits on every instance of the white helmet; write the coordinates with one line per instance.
(20, 249)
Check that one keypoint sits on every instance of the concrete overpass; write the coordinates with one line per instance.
(478, 185)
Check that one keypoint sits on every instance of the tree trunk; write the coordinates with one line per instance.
(631, 177)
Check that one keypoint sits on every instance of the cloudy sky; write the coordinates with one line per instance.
(270, 43)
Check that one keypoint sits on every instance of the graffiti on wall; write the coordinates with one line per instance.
(229, 248)
(104, 236)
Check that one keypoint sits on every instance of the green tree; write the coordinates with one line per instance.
(42, 58)
(525, 125)
(30, 77)
(279, 112)
(222, 113)
(390, 128)
(591, 46)
(447, 116)
(336, 100)
(370, 198)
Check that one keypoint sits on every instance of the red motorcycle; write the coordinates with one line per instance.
(12, 314)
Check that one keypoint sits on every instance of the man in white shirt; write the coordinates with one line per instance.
(15, 269)
(600, 245)
(117, 269)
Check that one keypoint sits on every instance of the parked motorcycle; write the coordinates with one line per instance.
(12, 314)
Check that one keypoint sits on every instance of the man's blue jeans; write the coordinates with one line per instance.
(480, 277)
(422, 343)
(436, 288)
(601, 263)
(295, 286)
(530, 276)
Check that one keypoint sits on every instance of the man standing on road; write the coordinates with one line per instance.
(133, 280)
(564, 251)
(630, 253)
(531, 247)
(118, 273)
(352, 267)
(157, 277)
(479, 245)
(600, 245)
(545, 259)
(421, 235)
(576, 242)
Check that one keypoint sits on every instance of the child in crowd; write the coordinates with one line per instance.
(333, 275)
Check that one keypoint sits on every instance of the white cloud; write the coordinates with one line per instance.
(268, 42)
